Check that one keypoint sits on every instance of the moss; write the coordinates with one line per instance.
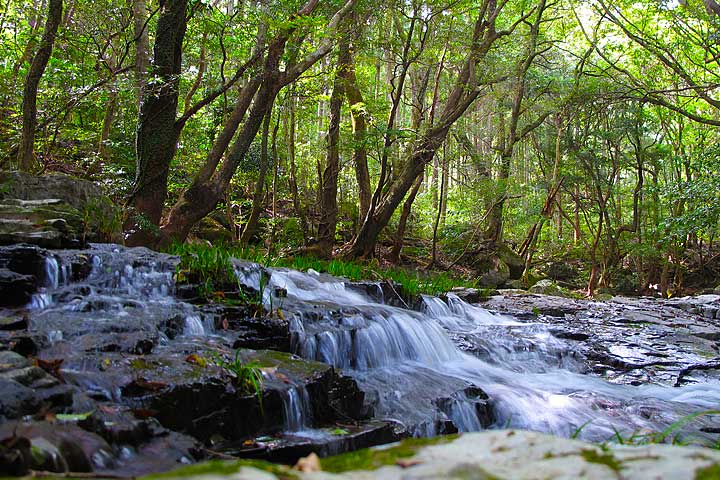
(708, 473)
(602, 458)
(221, 467)
(470, 472)
(374, 458)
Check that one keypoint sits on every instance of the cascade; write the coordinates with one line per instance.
(296, 409)
(406, 360)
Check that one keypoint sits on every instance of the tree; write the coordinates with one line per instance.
(466, 89)
(26, 153)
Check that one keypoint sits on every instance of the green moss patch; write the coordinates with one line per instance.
(602, 458)
(221, 467)
(708, 473)
(374, 458)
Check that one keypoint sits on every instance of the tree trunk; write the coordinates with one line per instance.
(257, 204)
(358, 116)
(157, 133)
(297, 205)
(142, 46)
(402, 223)
(328, 194)
(26, 154)
(110, 110)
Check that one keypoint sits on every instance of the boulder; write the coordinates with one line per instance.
(55, 211)
(497, 274)
(487, 455)
(56, 447)
(514, 262)
(546, 287)
(15, 289)
(213, 231)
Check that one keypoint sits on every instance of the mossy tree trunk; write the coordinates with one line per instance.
(157, 131)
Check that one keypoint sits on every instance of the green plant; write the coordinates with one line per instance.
(669, 434)
(247, 377)
(207, 266)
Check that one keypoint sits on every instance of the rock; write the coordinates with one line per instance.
(59, 448)
(14, 323)
(498, 273)
(497, 454)
(213, 231)
(15, 288)
(26, 388)
(546, 287)
(471, 295)
(514, 262)
(288, 447)
(55, 211)
(24, 259)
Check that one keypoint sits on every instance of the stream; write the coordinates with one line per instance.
(126, 341)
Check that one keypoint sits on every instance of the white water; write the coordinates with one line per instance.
(296, 409)
(404, 360)
(121, 293)
(55, 275)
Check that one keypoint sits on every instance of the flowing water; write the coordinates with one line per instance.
(423, 369)
(406, 360)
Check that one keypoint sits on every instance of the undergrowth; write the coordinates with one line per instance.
(213, 263)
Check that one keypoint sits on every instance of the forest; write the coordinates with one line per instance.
(580, 136)
(313, 239)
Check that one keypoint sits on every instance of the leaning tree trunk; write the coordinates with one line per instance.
(402, 223)
(26, 154)
(464, 92)
(157, 132)
(328, 194)
(258, 194)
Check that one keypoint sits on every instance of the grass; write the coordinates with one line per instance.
(207, 266)
(669, 435)
(211, 265)
(247, 377)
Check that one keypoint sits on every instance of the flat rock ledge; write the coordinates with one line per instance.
(497, 454)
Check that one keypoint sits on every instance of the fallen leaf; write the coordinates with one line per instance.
(225, 324)
(51, 366)
(73, 417)
(407, 463)
(196, 359)
(311, 463)
(149, 385)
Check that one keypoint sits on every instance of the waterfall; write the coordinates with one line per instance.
(54, 276)
(296, 409)
(405, 361)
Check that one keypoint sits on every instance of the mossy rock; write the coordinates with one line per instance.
(56, 211)
(213, 231)
(514, 262)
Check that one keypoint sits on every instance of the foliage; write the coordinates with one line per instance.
(247, 377)
(210, 267)
(670, 435)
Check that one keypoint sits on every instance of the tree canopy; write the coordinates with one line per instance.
(436, 133)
